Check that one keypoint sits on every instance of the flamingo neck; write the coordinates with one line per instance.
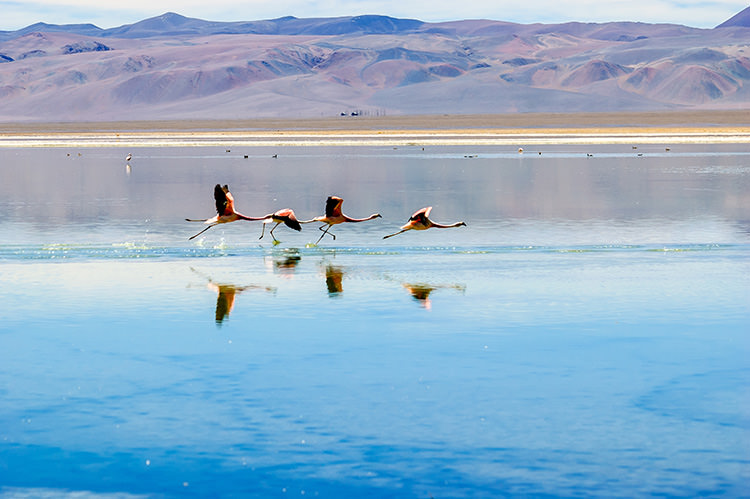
(441, 226)
(240, 216)
(350, 219)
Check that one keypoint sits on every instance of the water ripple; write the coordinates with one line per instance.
(134, 250)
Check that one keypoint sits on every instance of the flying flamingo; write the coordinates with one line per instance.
(421, 221)
(224, 209)
(334, 216)
(285, 216)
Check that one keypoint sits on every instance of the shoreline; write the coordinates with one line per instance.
(513, 129)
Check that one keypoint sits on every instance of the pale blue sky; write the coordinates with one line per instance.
(697, 13)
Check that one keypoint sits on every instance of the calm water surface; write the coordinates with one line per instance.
(585, 335)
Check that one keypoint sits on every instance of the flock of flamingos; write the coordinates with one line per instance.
(334, 216)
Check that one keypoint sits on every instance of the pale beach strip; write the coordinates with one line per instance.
(716, 127)
(391, 139)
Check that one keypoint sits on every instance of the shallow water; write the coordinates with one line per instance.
(585, 334)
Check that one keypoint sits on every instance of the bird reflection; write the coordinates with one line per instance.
(285, 263)
(421, 292)
(288, 262)
(334, 280)
(226, 294)
(224, 299)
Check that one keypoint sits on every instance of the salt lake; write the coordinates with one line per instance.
(586, 334)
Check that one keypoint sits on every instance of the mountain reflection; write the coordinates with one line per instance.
(421, 292)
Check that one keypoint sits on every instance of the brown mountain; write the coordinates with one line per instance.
(176, 67)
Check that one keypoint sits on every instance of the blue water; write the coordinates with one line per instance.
(585, 335)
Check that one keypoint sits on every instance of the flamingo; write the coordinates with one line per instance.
(421, 221)
(334, 216)
(285, 216)
(224, 209)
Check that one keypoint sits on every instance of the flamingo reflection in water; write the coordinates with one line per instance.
(283, 263)
(226, 294)
(335, 216)
(334, 280)
(421, 221)
(421, 292)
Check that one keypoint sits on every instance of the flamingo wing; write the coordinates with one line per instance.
(421, 215)
(223, 198)
(287, 216)
(333, 206)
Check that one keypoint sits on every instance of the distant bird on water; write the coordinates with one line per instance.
(128, 157)
(421, 221)
(224, 209)
(285, 216)
(334, 216)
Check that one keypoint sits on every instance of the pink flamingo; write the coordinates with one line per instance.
(421, 221)
(224, 209)
(285, 216)
(334, 216)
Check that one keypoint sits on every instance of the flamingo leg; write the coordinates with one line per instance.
(325, 232)
(263, 231)
(201, 232)
(271, 231)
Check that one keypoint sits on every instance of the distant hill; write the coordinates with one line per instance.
(172, 24)
(175, 67)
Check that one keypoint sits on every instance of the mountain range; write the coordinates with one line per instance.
(174, 67)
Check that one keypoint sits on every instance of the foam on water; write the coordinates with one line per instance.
(126, 250)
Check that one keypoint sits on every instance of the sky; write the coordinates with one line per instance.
(17, 14)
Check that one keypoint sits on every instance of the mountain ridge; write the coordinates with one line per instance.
(173, 24)
(172, 66)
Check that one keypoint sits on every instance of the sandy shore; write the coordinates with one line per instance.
(513, 129)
